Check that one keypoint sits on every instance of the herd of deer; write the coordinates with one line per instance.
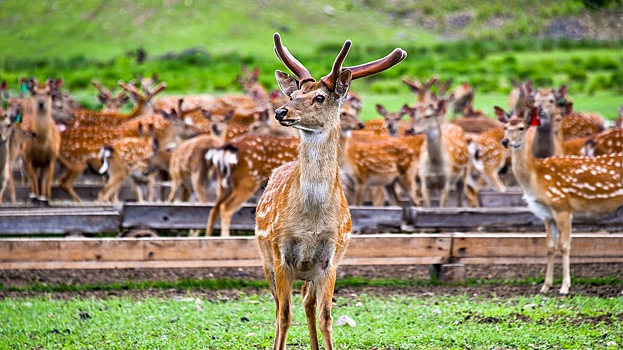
(567, 163)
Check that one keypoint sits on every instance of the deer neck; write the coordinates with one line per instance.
(544, 144)
(318, 162)
(345, 141)
(140, 107)
(522, 165)
(43, 121)
(434, 145)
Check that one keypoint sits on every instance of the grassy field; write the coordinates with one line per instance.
(97, 39)
(246, 322)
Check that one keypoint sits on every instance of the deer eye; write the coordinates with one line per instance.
(319, 98)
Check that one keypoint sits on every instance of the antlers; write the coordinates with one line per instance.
(359, 71)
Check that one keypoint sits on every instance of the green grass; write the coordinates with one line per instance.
(247, 322)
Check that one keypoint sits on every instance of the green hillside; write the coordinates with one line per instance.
(199, 46)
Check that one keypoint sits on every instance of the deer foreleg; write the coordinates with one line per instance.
(552, 242)
(563, 222)
(283, 284)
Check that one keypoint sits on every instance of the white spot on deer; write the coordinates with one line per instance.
(261, 233)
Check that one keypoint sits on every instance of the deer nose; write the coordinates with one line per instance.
(280, 113)
(505, 143)
(361, 125)
(41, 105)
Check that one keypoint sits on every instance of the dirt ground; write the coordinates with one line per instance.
(418, 272)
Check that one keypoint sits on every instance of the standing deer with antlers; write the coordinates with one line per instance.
(557, 189)
(303, 221)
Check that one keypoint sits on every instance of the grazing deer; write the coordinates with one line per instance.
(110, 103)
(444, 158)
(303, 221)
(606, 142)
(558, 189)
(39, 153)
(459, 98)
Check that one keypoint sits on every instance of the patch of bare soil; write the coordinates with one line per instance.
(417, 272)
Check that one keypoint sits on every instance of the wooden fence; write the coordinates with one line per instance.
(378, 249)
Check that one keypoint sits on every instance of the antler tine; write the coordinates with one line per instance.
(364, 70)
(130, 87)
(101, 89)
(329, 80)
(292, 63)
(158, 88)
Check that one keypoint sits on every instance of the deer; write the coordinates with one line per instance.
(142, 106)
(189, 168)
(6, 176)
(422, 90)
(560, 188)
(383, 161)
(39, 153)
(460, 97)
(487, 155)
(395, 125)
(443, 158)
(110, 103)
(303, 223)
(519, 97)
(121, 158)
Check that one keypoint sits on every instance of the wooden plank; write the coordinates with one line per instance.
(532, 248)
(516, 219)
(205, 252)
(376, 219)
(55, 220)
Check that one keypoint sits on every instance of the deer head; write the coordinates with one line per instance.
(427, 117)
(393, 119)
(314, 106)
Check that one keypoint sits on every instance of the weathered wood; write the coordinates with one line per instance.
(61, 219)
(498, 220)
(532, 248)
(384, 249)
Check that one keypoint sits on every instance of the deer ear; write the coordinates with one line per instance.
(102, 98)
(287, 83)
(342, 84)
(441, 107)
(381, 110)
(500, 114)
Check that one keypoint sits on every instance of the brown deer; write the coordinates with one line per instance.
(110, 102)
(6, 169)
(39, 153)
(303, 221)
(123, 157)
(395, 124)
(101, 118)
(519, 98)
(459, 98)
(444, 158)
(558, 189)
(422, 90)
(188, 167)
(487, 154)
(383, 161)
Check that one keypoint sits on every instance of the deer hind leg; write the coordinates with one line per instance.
(444, 195)
(360, 189)
(324, 293)
(33, 180)
(407, 183)
(66, 181)
(552, 242)
(283, 289)
(563, 222)
(232, 204)
(197, 180)
(309, 302)
(47, 174)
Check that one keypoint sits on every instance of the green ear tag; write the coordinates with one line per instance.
(18, 118)
(561, 102)
(23, 89)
